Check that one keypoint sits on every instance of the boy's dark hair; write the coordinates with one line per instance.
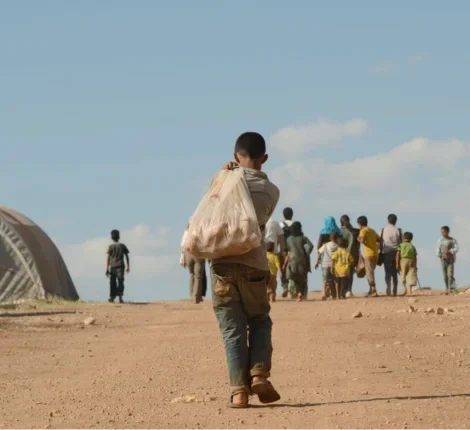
(270, 246)
(392, 219)
(362, 220)
(334, 236)
(445, 228)
(251, 145)
(342, 243)
(288, 213)
(408, 236)
(115, 235)
(344, 220)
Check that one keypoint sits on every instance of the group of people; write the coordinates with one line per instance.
(339, 256)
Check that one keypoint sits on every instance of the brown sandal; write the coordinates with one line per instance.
(265, 392)
(237, 405)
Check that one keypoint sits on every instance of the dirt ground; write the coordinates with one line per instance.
(162, 365)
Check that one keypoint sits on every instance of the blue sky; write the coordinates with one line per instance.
(115, 114)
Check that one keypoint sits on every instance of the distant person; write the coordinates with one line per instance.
(288, 214)
(342, 262)
(325, 253)
(369, 239)
(115, 267)
(350, 234)
(447, 249)
(274, 264)
(197, 274)
(239, 288)
(297, 263)
(391, 238)
(275, 235)
(407, 263)
(328, 228)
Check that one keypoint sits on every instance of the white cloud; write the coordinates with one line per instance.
(323, 132)
(381, 68)
(418, 58)
(412, 177)
(149, 255)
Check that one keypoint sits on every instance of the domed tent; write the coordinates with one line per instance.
(31, 266)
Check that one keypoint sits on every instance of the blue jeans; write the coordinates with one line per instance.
(241, 305)
(448, 272)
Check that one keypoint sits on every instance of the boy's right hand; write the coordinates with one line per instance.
(107, 273)
(230, 165)
(316, 266)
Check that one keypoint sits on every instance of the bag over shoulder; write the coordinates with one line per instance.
(224, 223)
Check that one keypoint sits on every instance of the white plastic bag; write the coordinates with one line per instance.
(225, 223)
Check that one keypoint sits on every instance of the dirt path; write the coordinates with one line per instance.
(389, 369)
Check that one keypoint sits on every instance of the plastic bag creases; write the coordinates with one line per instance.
(224, 223)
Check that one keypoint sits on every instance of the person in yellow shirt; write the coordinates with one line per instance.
(274, 264)
(370, 239)
(341, 268)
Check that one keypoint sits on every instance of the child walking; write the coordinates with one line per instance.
(407, 264)
(297, 263)
(324, 256)
(115, 267)
(341, 269)
(274, 264)
(239, 288)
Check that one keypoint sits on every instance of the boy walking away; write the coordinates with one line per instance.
(341, 269)
(239, 288)
(285, 226)
(407, 263)
(391, 239)
(324, 255)
(447, 248)
(274, 264)
(115, 267)
(297, 263)
(369, 238)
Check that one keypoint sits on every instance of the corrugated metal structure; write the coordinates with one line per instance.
(31, 266)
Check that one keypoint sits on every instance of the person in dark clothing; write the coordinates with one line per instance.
(115, 267)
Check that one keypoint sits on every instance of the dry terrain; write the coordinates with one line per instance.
(163, 365)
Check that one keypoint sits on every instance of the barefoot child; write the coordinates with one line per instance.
(297, 263)
(274, 264)
(407, 263)
(341, 269)
(324, 256)
(239, 288)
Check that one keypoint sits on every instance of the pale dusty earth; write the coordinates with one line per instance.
(162, 365)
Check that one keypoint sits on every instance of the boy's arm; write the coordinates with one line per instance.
(285, 263)
(398, 259)
(455, 248)
(309, 245)
(319, 254)
(438, 250)
(108, 260)
(128, 263)
(361, 236)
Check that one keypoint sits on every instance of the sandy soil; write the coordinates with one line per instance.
(163, 365)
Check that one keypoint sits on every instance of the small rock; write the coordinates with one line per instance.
(430, 310)
(89, 321)
(439, 311)
(411, 309)
(398, 343)
(357, 314)
(365, 393)
(448, 310)
(439, 334)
